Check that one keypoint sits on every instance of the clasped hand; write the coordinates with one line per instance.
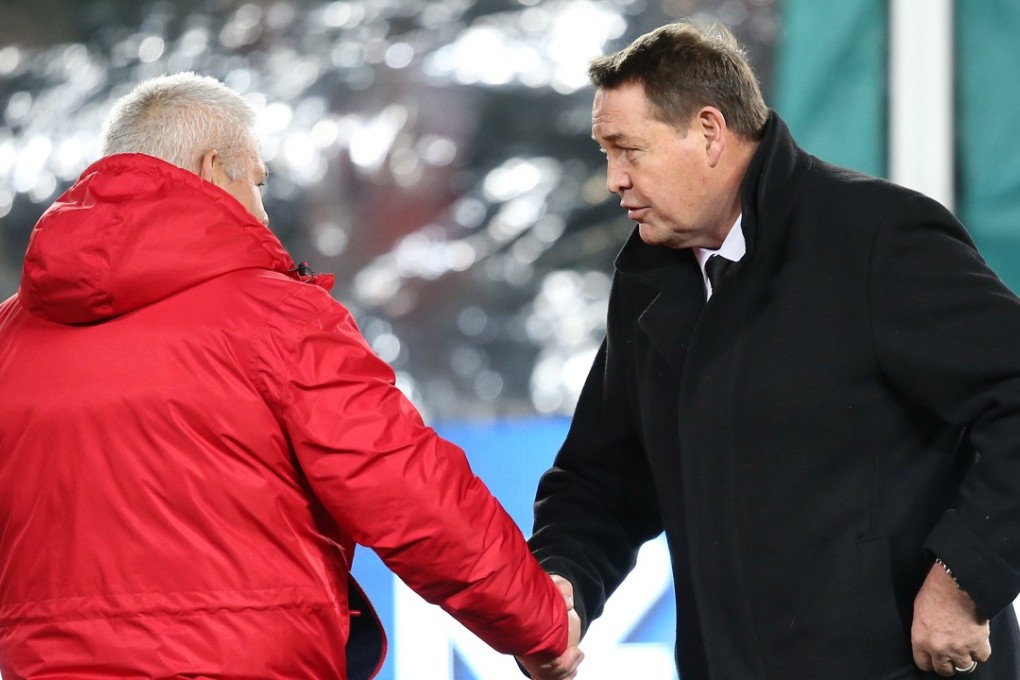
(947, 635)
(563, 667)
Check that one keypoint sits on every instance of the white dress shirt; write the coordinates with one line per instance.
(732, 248)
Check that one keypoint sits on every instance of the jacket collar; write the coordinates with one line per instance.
(133, 230)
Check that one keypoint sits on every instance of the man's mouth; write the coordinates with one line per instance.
(635, 214)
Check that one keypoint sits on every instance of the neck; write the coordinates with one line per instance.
(740, 160)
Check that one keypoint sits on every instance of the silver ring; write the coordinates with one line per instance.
(968, 669)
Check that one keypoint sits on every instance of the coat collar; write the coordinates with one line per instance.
(771, 188)
(774, 178)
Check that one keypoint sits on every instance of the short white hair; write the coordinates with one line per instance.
(178, 118)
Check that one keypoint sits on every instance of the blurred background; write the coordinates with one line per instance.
(436, 156)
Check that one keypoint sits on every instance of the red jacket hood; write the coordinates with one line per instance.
(133, 230)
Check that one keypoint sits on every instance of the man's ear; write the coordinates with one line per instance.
(713, 128)
(207, 166)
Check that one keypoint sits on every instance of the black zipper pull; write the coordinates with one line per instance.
(303, 269)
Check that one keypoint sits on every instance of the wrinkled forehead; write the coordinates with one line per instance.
(625, 99)
(618, 109)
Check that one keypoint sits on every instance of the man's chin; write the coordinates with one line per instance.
(658, 236)
(650, 235)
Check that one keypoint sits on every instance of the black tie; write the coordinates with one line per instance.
(715, 268)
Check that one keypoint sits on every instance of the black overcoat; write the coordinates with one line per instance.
(846, 406)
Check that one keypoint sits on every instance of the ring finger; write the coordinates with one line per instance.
(966, 667)
(945, 666)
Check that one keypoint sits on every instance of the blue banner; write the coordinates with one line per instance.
(635, 635)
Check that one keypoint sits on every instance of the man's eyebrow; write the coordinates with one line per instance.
(614, 138)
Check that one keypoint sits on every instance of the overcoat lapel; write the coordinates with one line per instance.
(669, 319)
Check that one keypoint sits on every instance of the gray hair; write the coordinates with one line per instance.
(179, 117)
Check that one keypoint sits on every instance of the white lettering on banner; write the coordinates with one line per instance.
(426, 638)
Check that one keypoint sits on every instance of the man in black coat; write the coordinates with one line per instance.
(828, 431)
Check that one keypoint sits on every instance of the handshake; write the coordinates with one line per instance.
(564, 666)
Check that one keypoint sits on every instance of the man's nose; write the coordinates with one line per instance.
(616, 179)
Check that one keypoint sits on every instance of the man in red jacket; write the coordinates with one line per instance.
(194, 436)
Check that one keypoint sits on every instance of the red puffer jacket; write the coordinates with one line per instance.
(192, 439)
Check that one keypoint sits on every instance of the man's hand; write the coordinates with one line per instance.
(947, 633)
(564, 667)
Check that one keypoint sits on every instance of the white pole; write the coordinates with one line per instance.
(921, 97)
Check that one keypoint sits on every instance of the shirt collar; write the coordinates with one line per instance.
(733, 247)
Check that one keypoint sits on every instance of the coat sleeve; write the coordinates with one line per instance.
(947, 333)
(597, 505)
(397, 487)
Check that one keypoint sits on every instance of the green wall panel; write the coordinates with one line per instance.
(831, 77)
(987, 125)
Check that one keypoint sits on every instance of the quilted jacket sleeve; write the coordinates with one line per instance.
(397, 487)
